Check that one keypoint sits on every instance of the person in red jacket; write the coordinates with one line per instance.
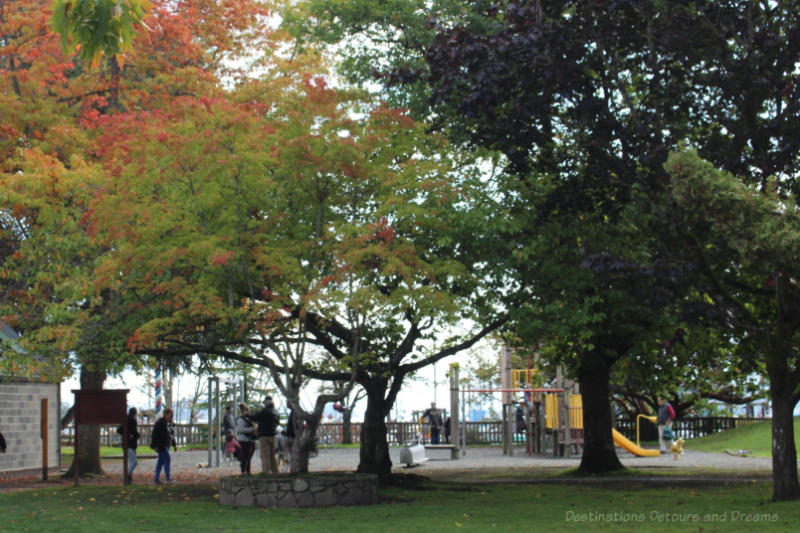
(666, 414)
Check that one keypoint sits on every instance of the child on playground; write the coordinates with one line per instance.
(231, 447)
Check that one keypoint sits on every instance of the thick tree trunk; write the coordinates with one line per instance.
(304, 443)
(301, 449)
(374, 451)
(89, 436)
(784, 453)
(599, 454)
(347, 426)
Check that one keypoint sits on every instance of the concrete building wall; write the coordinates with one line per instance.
(20, 424)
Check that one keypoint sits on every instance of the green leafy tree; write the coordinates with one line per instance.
(586, 99)
(97, 27)
(747, 243)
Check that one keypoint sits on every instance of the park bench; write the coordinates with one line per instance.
(450, 447)
(413, 455)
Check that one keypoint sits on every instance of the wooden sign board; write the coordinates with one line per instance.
(95, 407)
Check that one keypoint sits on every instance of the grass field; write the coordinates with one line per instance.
(436, 507)
(755, 438)
(67, 452)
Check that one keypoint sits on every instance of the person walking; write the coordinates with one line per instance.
(435, 421)
(268, 421)
(160, 441)
(228, 421)
(133, 442)
(245, 432)
(666, 414)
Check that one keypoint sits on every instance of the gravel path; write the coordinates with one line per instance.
(193, 463)
(190, 466)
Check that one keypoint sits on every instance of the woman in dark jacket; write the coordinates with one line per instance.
(161, 441)
(133, 442)
(246, 436)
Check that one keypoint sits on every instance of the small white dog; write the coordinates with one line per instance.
(677, 448)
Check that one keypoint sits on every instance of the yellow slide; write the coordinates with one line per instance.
(628, 446)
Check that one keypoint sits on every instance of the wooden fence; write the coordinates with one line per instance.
(687, 428)
(185, 434)
(399, 433)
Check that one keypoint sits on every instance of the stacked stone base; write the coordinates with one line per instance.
(304, 490)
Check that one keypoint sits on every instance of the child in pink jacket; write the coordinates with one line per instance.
(231, 447)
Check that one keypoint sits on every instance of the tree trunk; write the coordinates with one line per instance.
(89, 436)
(599, 454)
(305, 441)
(301, 449)
(784, 453)
(374, 451)
(347, 426)
(168, 382)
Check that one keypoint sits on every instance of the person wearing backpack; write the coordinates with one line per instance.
(160, 441)
(133, 441)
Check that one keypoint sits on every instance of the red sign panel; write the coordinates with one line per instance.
(100, 406)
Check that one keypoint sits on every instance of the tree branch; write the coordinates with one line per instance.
(405, 369)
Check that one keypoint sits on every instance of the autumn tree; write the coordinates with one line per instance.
(284, 216)
(54, 108)
(45, 164)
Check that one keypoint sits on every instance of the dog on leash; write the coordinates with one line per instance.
(283, 452)
(677, 448)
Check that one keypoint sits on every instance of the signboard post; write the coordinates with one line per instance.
(95, 407)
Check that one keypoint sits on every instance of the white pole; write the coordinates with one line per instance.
(434, 382)
(219, 421)
(210, 405)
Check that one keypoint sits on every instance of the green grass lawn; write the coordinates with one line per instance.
(755, 438)
(67, 452)
(435, 507)
(105, 451)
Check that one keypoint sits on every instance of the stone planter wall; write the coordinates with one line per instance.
(304, 490)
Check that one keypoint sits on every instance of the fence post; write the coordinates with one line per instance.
(44, 438)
